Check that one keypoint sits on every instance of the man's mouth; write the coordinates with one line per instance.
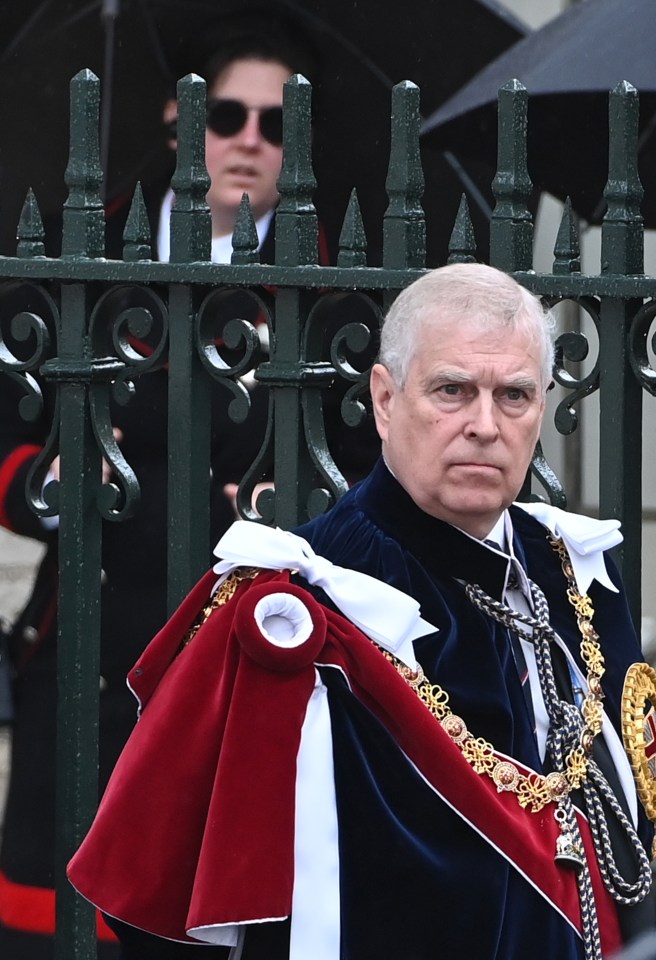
(474, 465)
(242, 171)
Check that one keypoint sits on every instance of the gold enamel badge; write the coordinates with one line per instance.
(639, 731)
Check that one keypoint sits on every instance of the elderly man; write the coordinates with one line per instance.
(374, 776)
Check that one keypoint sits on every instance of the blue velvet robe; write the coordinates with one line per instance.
(419, 883)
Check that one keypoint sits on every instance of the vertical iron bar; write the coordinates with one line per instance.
(567, 260)
(84, 217)
(78, 651)
(189, 387)
(297, 229)
(296, 244)
(511, 227)
(620, 414)
(404, 225)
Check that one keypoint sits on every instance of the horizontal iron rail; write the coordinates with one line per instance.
(311, 276)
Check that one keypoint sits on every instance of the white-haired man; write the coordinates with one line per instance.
(459, 789)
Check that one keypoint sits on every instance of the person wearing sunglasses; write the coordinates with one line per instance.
(243, 140)
(243, 154)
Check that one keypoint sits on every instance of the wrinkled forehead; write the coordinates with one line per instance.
(453, 339)
(475, 316)
(437, 325)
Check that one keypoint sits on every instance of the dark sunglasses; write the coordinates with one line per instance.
(228, 117)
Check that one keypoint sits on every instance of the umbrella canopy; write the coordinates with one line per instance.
(365, 47)
(568, 68)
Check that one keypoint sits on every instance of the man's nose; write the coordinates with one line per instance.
(250, 135)
(483, 419)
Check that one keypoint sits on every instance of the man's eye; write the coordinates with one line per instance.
(451, 389)
(515, 394)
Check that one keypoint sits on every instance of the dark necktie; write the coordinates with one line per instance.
(516, 647)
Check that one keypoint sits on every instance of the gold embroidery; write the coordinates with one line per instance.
(639, 731)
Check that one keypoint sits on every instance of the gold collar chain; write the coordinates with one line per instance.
(533, 790)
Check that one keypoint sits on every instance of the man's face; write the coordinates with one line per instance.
(460, 434)
(245, 161)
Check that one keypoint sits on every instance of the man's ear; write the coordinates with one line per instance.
(383, 389)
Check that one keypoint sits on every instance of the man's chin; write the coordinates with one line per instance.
(474, 513)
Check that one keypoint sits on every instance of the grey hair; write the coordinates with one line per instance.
(472, 293)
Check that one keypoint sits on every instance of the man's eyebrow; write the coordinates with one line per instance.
(524, 382)
(450, 376)
(455, 375)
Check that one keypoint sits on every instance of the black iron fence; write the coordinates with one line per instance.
(75, 315)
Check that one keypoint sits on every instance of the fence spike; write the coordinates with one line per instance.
(137, 244)
(245, 241)
(462, 243)
(30, 229)
(567, 249)
(352, 239)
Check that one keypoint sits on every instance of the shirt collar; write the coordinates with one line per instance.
(500, 542)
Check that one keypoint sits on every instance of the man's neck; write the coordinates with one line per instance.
(223, 221)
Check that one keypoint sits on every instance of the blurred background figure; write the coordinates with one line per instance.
(243, 141)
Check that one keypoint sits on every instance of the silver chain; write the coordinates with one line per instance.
(566, 726)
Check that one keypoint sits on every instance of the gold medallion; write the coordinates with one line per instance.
(639, 731)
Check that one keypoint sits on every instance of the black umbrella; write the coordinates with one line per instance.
(568, 68)
(136, 47)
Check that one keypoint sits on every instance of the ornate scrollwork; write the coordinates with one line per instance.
(638, 346)
(262, 507)
(29, 320)
(232, 328)
(345, 327)
(573, 346)
(352, 351)
(128, 331)
(131, 324)
(547, 478)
